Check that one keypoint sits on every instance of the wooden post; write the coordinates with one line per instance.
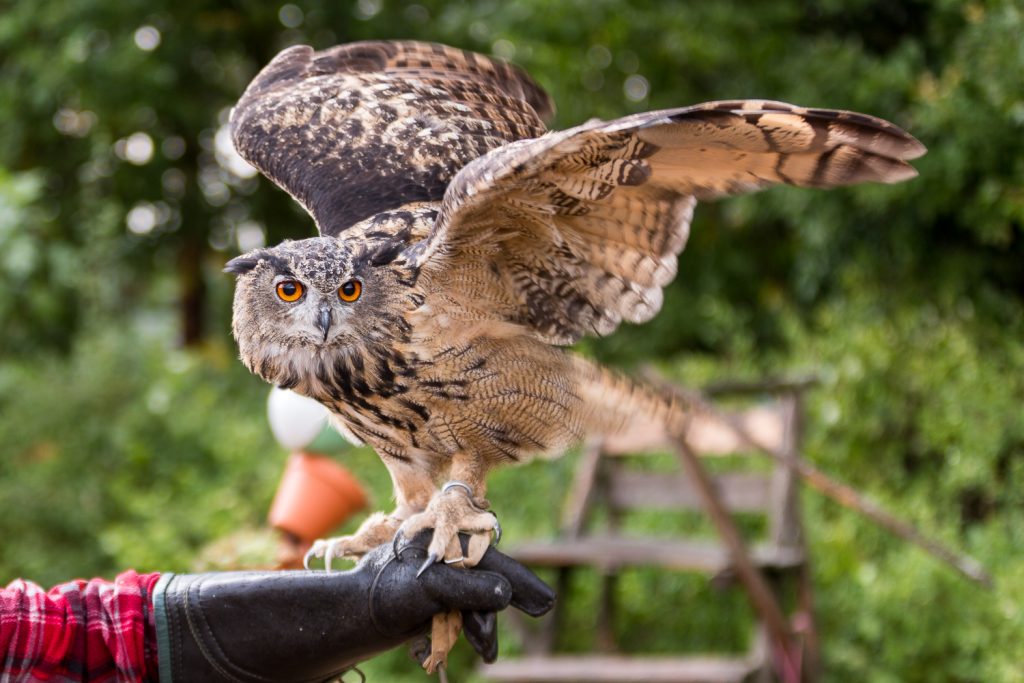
(805, 624)
(787, 658)
(573, 523)
(784, 517)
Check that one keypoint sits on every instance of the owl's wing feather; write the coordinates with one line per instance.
(365, 127)
(583, 226)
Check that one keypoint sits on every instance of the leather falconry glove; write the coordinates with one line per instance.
(308, 626)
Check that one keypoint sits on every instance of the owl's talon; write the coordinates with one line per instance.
(431, 559)
(329, 549)
(329, 553)
(497, 530)
(395, 543)
(450, 514)
(315, 550)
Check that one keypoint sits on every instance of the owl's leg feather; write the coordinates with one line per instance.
(452, 510)
(448, 513)
(459, 506)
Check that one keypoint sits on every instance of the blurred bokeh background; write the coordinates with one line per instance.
(130, 436)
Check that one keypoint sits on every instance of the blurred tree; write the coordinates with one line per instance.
(117, 114)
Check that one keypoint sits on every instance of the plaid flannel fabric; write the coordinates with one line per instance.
(79, 631)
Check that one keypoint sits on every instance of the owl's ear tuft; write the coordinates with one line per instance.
(240, 265)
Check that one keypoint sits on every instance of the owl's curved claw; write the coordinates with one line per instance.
(329, 552)
(431, 559)
(497, 530)
(315, 550)
(395, 543)
(325, 549)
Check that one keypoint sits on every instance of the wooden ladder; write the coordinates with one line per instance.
(783, 648)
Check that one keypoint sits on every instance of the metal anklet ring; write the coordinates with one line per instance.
(456, 484)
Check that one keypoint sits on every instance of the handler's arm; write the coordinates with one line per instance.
(95, 630)
(313, 625)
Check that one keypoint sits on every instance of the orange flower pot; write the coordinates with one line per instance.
(315, 495)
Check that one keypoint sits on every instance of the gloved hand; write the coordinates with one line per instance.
(312, 625)
(529, 593)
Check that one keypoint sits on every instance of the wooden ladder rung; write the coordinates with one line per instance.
(610, 552)
(599, 668)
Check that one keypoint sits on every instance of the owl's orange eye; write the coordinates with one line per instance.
(350, 291)
(289, 290)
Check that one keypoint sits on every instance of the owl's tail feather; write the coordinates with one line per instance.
(622, 406)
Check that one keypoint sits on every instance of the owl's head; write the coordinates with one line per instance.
(301, 302)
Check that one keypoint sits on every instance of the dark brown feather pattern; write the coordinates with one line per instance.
(365, 127)
(590, 220)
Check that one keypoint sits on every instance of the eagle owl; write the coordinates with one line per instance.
(462, 246)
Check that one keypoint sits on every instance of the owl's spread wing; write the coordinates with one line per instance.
(582, 227)
(365, 127)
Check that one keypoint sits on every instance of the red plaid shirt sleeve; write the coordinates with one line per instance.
(79, 631)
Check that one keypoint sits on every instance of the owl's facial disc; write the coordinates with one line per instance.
(320, 313)
(348, 293)
(303, 296)
(318, 317)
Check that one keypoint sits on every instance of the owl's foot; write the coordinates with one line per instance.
(449, 512)
(378, 528)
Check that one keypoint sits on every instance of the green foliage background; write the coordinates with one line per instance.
(130, 436)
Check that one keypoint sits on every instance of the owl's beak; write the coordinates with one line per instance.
(323, 321)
